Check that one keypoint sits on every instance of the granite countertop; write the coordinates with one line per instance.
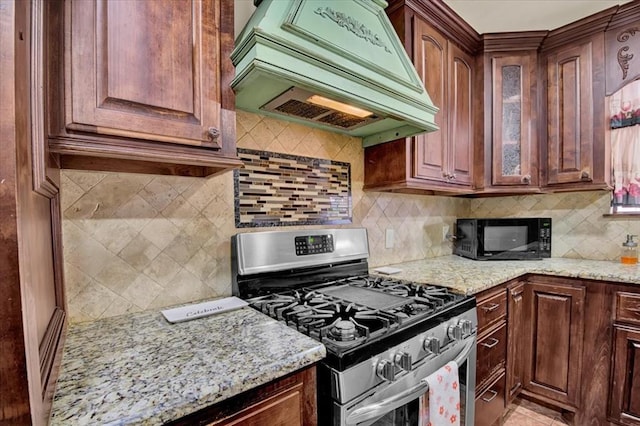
(140, 369)
(471, 276)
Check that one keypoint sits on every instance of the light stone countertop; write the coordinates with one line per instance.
(140, 369)
(472, 276)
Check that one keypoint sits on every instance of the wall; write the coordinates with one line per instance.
(579, 229)
(135, 242)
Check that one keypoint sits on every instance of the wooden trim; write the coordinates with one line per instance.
(626, 14)
(516, 41)
(43, 183)
(227, 72)
(448, 22)
(584, 28)
(142, 151)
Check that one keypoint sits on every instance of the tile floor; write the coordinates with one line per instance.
(526, 413)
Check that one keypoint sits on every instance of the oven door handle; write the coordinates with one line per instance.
(380, 408)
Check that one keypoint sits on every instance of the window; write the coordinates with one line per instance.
(625, 149)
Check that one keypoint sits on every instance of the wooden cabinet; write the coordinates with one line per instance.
(510, 149)
(440, 161)
(444, 156)
(622, 45)
(491, 355)
(145, 87)
(490, 403)
(290, 401)
(555, 309)
(576, 152)
(516, 336)
(624, 405)
(32, 305)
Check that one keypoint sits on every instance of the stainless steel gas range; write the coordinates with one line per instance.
(383, 336)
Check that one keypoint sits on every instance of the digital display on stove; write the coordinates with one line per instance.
(314, 244)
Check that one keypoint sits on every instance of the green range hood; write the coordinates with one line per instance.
(303, 60)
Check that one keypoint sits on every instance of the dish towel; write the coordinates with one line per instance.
(440, 406)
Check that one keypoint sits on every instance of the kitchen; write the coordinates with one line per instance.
(135, 242)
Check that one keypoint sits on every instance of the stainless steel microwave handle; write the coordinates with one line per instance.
(378, 409)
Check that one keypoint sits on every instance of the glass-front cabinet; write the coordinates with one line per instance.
(513, 139)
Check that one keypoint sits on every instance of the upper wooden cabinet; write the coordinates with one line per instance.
(622, 47)
(510, 149)
(444, 156)
(146, 82)
(573, 63)
(440, 161)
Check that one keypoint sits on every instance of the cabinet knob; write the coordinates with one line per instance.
(453, 176)
(585, 175)
(526, 179)
(213, 134)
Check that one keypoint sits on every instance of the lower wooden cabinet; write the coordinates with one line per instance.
(490, 402)
(516, 338)
(624, 402)
(289, 401)
(555, 309)
(625, 380)
(491, 354)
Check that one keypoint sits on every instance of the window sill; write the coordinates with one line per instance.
(622, 215)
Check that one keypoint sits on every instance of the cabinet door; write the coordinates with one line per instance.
(283, 409)
(460, 145)
(625, 380)
(146, 70)
(570, 115)
(512, 150)
(430, 60)
(556, 313)
(32, 301)
(516, 340)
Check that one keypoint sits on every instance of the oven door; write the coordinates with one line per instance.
(398, 402)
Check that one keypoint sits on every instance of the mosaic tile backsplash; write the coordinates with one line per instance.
(135, 242)
(274, 189)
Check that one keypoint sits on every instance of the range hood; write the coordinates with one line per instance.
(337, 65)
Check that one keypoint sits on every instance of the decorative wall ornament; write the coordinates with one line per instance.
(275, 189)
(347, 22)
(623, 57)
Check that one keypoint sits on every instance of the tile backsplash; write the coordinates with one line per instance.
(276, 189)
(135, 242)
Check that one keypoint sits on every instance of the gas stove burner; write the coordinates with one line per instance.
(343, 330)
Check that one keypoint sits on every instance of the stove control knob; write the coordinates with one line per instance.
(386, 370)
(455, 332)
(402, 360)
(467, 326)
(432, 344)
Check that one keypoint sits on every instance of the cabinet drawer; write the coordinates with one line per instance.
(492, 353)
(628, 307)
(490, 403)
(492, 310)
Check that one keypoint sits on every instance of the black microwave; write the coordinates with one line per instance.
(503, 239)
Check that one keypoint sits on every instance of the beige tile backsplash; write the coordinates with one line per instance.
(135, 242)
